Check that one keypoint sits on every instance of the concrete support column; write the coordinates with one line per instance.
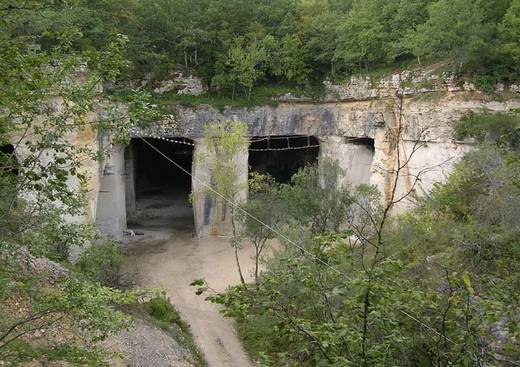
(130, 180)
(355, 159)
(111, 208)
(212, 214)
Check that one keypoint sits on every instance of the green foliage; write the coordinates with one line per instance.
(23, 352)
(436, 286)
(222, 142)
(454, 29)
(242, 67)
(509, 33)
(314, 199)
(164, 313)
(241, 44)
(498, 128)
(50, 91)
(102, 263)
(360, 38)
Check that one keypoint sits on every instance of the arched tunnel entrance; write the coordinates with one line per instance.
(157, 190)
(282, 156)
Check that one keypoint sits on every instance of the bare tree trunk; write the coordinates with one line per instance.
(236, 243)
(257, 256)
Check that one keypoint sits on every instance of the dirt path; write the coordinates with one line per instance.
(172, 259)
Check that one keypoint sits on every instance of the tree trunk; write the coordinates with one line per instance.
(235, 244)
(257, 255)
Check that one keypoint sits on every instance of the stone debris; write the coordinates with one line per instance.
(408, 83)
(42, 265)
(147, 346)
(183, 85)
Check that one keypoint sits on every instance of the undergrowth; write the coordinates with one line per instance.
(164, 315)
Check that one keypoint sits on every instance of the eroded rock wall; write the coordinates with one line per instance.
(424, 149)
(411, 131)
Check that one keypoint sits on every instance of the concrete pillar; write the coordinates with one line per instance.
(211, 213)
(111, 206)
(130, 180)
(355, 159)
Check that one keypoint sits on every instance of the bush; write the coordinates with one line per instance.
(164, 313)
(500, 128)
(102, 263)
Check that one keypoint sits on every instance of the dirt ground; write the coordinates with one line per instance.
(168, 256)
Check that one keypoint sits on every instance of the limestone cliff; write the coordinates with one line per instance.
(407, 117)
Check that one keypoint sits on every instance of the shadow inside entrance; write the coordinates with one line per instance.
(162, 190)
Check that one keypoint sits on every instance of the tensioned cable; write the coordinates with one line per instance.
(305, 251)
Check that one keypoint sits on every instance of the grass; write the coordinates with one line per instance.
(262, 95)
(165, 316)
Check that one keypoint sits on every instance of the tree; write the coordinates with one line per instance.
(454, 29)
(245, 64)
(360, 38)
(50, 91)
(223, 141)
(290, 60)
(509, 33)
(315, 201)
(262, 212)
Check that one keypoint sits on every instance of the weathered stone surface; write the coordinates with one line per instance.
(111, 201)
(211, 213)
(407, 83)
(182, 84)
(38, 265)
(433, 112)
(426, 114)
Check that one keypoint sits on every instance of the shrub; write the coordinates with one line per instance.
(102, 263)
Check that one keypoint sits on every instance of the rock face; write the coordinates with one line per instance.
(425, 138)
(408, 82)
(182, 84)
(357, 124)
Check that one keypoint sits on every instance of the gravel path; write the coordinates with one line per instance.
(147, 346)
(171, 259)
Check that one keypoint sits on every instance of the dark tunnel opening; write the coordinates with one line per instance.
(363, 141)
(162, 189)
(282, 156)
(8, 161)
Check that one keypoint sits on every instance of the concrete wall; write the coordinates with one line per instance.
(130, 168)
(111, 203)
(211, 212)
(354, 158)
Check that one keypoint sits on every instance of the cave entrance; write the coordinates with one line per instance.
(157, 190)
(8, 161)
(282, 156)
